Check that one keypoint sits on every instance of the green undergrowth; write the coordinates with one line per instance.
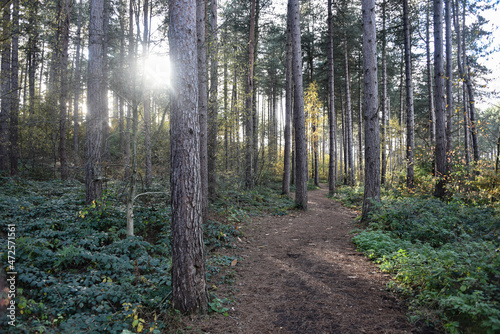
(445, 258)
(79, 273)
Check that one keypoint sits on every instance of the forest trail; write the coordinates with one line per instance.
(300, 273)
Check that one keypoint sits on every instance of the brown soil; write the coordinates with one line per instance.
(301, 274)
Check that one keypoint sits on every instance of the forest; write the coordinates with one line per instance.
(260, 166)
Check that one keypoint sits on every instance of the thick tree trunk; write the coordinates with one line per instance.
(300, 135)
(14, 102)
(410, 118)
(285, 189)
(440, 100)
(95, 104)
(65, 18)
(370, 105)
(188, 263)
(332, 121)
(249, 126)
(202, 101)
(213, 105)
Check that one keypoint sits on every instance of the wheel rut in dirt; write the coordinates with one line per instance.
(300, 273)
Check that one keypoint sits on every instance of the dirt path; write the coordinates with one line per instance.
(301, 274)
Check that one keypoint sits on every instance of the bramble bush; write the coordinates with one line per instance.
(77, 270)
(445, 258)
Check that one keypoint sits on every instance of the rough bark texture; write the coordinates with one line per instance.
(410, 118)
(449, 88)
(299, 119)
(370, 106)
(202, 102)
(95, 104)
(147, 102)
(213, 105)
(5, 89)
(440, 153)
(188, 262)
(249, 154)
(332, 121)
(285, 189)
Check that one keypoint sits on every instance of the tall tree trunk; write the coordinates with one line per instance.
(121, 117)
(188, 263)
(255, 115)
(65, 18)
(360, 124)
(95, 104)
(249, 128)
(300, 135)
(332, 121)
(5, 92)
(370, 105)
(202, 101)
(130, 88)
(410, 118)
(147, 101)
(384, 94)
(440, 100)
(32, 50)
(285, 189)
(213, 105)
(226, 111)
(14, 81)
(432, 116)
(351, 180)
(106, 154)
(449, 88)
(77, 83)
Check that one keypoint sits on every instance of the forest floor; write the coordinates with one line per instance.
(300, 273)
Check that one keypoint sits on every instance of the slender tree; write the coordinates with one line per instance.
(249, 126)
(5, 92)
(288, 108)
(332, 122)
(370, 106)
(430, 90)
(202, 101)
(440, 152)
(299, 118)
(14, 102)
(147, 101)
(212, 103)
(384, 92)
(410, 118)
(65, 21)
(77, 83)
(449, 88)
(188, 263)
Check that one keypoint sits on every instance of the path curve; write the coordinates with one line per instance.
(301, 274)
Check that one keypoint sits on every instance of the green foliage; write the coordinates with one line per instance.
(445, 258)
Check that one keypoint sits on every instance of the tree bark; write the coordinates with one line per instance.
(332, 121)
(440, 152)
(5, 92)
(410, 118)
(249, 126)
(285, 189)
(300, 135)
(77, 83)
(65, 18)
(351, 180)
(14, 102)
(432, 116)
(147, 101)
(213, 105)
(384, 92)
(370, 106)
(188, 263)
(449, 88)
(95, 104)
(202, 101)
